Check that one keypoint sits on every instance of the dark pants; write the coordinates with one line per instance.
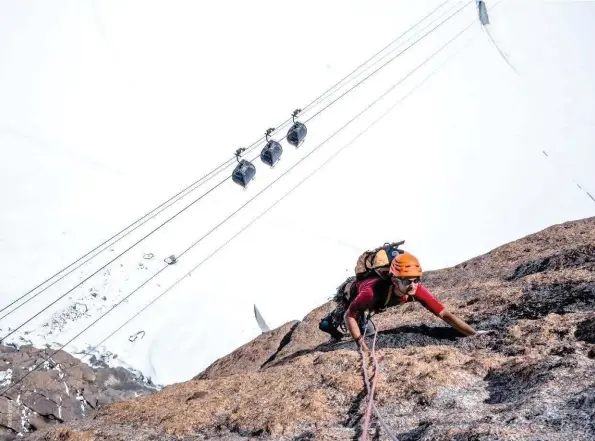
(334, 321)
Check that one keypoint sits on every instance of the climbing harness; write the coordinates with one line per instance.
(370, 389)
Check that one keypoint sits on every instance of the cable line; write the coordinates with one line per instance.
(391, 60)
(152, 213)
(407, 40)
(111, 261)
(328, 91)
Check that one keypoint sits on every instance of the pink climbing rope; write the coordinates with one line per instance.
(371, 405)
(368, 413)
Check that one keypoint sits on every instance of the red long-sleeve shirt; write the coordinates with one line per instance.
(373, 295)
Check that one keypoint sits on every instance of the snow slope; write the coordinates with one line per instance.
(107, 109)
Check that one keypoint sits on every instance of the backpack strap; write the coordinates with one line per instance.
(389, 296)
(382, 293)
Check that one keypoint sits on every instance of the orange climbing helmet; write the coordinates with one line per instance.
(405, 265)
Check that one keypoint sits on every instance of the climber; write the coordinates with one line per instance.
(402, 286)
(375, 290)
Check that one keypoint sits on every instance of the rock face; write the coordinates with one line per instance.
(252, 356)
(530, 377)
(62, 390)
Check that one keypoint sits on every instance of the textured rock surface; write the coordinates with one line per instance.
(252, 356)
(62, 390)
(531, 377)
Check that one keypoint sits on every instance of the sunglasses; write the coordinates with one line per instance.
(408, 282)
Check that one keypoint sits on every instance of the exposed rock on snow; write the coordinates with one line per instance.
(61, 390)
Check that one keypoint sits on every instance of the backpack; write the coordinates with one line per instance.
(378, 258)
(367, 263)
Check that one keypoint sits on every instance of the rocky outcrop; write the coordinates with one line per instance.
(530, 377)
(62, 389)
(253, 355)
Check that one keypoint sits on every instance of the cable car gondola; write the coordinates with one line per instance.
(297, 132)
(271, 152)
(244, 171)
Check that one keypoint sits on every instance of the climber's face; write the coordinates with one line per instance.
(407, 285)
